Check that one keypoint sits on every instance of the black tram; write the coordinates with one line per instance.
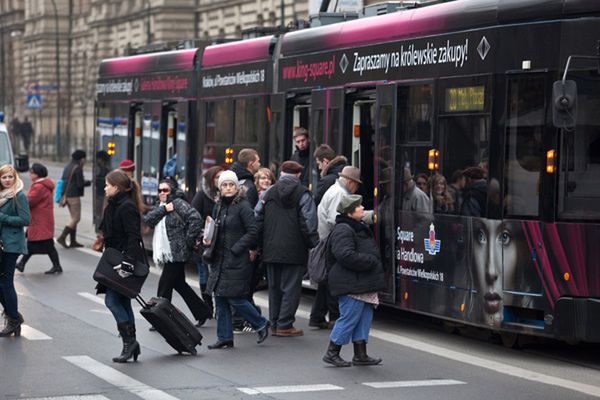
(457, 86)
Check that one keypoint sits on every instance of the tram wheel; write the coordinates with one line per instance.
(510, 340)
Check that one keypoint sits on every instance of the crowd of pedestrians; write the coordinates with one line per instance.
(265, 227)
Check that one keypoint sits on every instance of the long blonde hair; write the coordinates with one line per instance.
(18, 185)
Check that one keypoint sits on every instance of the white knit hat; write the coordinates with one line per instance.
(228, 176)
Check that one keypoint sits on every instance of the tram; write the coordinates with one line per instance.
(456, 86)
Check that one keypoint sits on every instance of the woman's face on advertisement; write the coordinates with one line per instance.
(494, 244)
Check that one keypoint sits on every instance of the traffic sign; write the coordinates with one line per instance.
(34, 101)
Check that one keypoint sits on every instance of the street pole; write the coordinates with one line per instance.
(2, 60)
(57, 59)
(148, 31)
(282, 11)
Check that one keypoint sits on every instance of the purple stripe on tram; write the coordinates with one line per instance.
(181, 60)
(237, 52)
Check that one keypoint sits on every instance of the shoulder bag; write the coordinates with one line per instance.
(121, 277)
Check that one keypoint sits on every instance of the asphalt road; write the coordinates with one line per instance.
(69, 339)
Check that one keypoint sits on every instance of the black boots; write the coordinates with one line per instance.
(360, 355)
(333, 356)
(74, 243)
(12, 326)
(62, 239)
(56, 269)
(131, 348)
(72, 233)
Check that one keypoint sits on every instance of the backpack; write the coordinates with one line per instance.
(319, 261)
(59, 189)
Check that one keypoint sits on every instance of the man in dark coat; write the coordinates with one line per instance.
(475, 192)
(330, 166)
(73, 185)
(302, 153)
(247, 164)
(287, 225)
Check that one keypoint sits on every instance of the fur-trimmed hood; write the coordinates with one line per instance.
(336, 162)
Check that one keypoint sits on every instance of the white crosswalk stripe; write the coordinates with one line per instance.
(398, 384)
(30, 333)
(86, 397)
(118, 379)
(289, 389)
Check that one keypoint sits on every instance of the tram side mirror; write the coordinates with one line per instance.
(564, 101)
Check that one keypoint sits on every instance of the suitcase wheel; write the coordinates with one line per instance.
(193, 352)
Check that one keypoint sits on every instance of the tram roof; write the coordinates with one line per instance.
(444, 17)
(239, 52)
(178, 60)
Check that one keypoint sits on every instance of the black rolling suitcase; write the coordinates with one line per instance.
(171, 323)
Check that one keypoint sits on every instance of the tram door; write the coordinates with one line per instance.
(135, 154)
(327, 122)
(371, 149)
(167, 161)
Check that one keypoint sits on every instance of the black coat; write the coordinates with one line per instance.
(204, 202)
(357, 268)
(247, 181)
(231, 272)
(121, 228)
(474, 199)
(74, 184)
(302, 157)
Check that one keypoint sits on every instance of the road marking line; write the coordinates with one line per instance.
(85, 397)
(487, 364)
(429, 382)
(118, 379)
(107, 312)
(92, 297)
(289, 389)
(33, 334)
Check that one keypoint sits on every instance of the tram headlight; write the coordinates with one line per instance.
(550, 161)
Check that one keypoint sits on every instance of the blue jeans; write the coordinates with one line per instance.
(244, 308)
(202, 272)
(8, 294)
(354, 321)
(119, 306)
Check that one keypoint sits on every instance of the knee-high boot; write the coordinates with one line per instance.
(131, 348)
(360, 355)
(74, 242)
(333, 356)
(62, 239)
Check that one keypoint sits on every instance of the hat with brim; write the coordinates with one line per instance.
(351, 173)
(348, 203)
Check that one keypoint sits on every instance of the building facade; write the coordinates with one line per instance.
(51, 49)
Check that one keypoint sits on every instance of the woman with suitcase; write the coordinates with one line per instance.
(176, 225)
(231, 270)
(121, 227)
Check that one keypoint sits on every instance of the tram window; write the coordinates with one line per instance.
(415, 107)
(218, 120)
(181, 149)
(579, 192)
(318, 133)
(334, 138)
(247, 121)
(464, 143)
(275, 145)
(524, 146)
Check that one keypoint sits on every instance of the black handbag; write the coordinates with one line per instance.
(208, 256)
(121, 277)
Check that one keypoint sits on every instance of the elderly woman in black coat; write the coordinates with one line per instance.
(231, 270)
(354, 278)
(176, 225)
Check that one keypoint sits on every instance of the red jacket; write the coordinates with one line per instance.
(42, 210)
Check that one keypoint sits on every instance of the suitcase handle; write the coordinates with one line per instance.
(142, 302)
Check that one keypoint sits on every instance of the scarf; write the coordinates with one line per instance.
(7, 194)
(161, 248)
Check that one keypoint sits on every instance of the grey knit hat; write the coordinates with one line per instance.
(348, 203)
